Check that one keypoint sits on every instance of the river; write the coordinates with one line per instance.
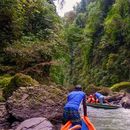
(104, 119)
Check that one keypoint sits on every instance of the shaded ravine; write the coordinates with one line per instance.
(118, 119)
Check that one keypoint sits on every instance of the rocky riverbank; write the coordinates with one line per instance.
(40, 106)
(28, 99)
(31, 102)
(3, 116)
(122, 99)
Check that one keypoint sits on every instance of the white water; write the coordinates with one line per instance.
(104, 119)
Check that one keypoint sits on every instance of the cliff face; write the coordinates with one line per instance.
(110, 54)
(31, 40)
(99, 50)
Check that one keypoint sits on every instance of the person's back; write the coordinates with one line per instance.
(71, 108)
(74, 99)
(98, 95)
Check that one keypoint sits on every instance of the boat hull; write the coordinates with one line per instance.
(86, 124)
(104, 106)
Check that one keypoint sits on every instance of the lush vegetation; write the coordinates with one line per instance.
(101, 47)
(31, 40)
(90, 45)
(124, 86)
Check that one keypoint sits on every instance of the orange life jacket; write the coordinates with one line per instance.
(91, 99)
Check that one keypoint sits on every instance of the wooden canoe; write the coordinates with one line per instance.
(86, 124)
(105, 106)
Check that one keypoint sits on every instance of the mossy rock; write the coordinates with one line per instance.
(105, 91)
(17, 81)
(2, 99)
(125, 86)
(5, 80)
(92, 89)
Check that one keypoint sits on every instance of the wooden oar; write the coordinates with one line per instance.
(85, 106)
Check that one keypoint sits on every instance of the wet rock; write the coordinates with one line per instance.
(35, 124)
(3, 111)
(15, 125)
(3, 116)
(125, 101)
(120, 99)
(115, 98)
(36, 101)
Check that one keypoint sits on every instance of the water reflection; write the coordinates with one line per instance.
(104, 119)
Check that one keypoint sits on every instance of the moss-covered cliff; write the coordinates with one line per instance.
(31, 40)
(100, 55)
(90, 45)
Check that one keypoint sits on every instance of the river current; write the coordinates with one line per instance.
(106, 119)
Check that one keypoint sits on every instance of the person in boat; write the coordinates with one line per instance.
(71, 108)
(101, 98)
(91, 99)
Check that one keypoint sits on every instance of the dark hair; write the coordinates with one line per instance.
(78, 88)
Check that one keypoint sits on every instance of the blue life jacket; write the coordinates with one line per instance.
(98, 95)
(74, 99)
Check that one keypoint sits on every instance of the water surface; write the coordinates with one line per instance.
(106, 119)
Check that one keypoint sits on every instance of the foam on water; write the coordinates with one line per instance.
(104, 119)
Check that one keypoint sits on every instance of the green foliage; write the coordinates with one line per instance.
(41, 19)
(2, 99)
(24, 18)
(69, 17)
(111, 59)
(30, 35)
(19, 80)
(74, 36)
(57, 74)
(91, 21)
(23, 55)
(94, 18)
(5, 80)
(93, 47)
(81, 7)
(11, 21)
(121, 86)
(80, 20)
(104, 50)
(22, 80)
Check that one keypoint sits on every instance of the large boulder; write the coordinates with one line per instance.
(36, 101)
(115, 98)
(39, 123)
(125, 101)
(3, 116)
(92, 89)
(120, 99)
(17, 81)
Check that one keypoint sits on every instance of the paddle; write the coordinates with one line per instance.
(85, 106)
